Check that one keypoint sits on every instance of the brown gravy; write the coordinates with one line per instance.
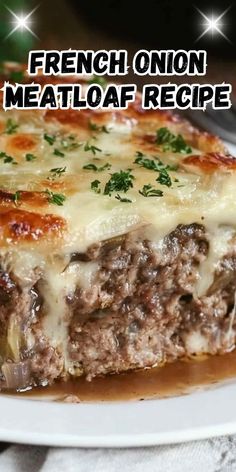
(173, 379)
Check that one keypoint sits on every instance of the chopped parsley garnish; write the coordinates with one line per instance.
(90, 167)
(172, 142)
(119, 182)
(57, 172)
(164, 135)
(98, 80)
(64, 143)
(95, 127)
(68, 143)
(11, 126)
(158, 166)
(123, 200)
(91, 147)
(149, 191)
(150, 164)
(16, 76)
(30, 157)
(58, 153)
(164, 178)
(95, 186)
(55, 198)
(50, 138)
(96, 168)
(106, 166)
(7, 159)
(16, 197)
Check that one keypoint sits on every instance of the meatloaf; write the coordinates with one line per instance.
(117, 242)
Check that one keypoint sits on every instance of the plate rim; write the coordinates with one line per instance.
(35, 422)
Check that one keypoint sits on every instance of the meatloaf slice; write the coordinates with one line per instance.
(140, 307)
(143, 309)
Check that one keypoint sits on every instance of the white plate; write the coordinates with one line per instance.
(199, 415)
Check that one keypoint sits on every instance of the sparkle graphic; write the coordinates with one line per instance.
(213, 24)
(21, 22)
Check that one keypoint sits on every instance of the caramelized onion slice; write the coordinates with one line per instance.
(17, 374)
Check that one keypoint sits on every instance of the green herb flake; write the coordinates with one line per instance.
(148, 163)
(16, 197)
(123, 200)
(149, 191)
(57, 172)
(106, 166)
(55, 198)
(120, 181)
(91, 147)
(172, 142)
(58, 153)
(69, 143)
(50, 138)
(140, 154)
(11, 126)
(95, 127)
(30, 157)
(95, 186)
(95, 168)
(6, 158)
(164, 178)
(98, 80)
(157, 166)
(90, 167)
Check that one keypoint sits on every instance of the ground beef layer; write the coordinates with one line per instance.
(141, 310)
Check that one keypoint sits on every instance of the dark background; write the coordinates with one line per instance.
(161, 23)
(126, 24)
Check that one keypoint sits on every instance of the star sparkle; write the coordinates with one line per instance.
(22, 22)
(213, 24)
